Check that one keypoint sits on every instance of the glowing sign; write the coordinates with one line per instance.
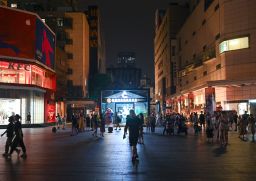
(124, 100)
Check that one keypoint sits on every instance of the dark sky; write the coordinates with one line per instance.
(128, 25)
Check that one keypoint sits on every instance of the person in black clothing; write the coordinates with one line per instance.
(9, 133)
(117, 121)
(133, 124)
(18, 138)
(141, 119)
(202, 119)
(74, 125)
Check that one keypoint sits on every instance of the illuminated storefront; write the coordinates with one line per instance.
(27, 60)
(122, 101)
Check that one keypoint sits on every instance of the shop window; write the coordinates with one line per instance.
(234, 44)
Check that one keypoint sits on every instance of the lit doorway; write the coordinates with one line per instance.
(122, 110)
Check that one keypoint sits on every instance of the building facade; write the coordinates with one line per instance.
(167, 24)
(27, 67)
(97, 58)
(215, 58)
(125, 75)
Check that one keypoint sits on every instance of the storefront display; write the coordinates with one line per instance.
(122, 101)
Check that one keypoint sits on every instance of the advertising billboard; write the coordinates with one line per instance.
(45, 44)
(23, 35)
(17, 34)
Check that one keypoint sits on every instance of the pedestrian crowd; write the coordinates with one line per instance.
(14, 136)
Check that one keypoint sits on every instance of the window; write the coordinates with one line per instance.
(216, 7)
(205, 73)
(234, 44)
(69, 41)
(69, 71)
(203, 22)
(59, 22)
(195, 78)
(218, 66)
(173, 50)
(70, 55)
(217, 36)
(14, 5)
(204, 47)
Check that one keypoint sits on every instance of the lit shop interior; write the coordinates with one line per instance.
(120, 102)
(25, 89)
(22, 102)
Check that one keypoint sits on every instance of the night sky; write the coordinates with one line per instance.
(128, 25)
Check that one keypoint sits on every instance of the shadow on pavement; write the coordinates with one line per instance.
(219, 151)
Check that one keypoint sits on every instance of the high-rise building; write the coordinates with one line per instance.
(72, 35)
(126, 59)
(165, 44)
(215, 59)
(125, 75)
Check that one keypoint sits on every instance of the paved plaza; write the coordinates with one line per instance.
(84, 157)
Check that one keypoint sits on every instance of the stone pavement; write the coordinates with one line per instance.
(63, 157)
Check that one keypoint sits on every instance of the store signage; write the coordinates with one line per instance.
(18, 66)
(109, 100)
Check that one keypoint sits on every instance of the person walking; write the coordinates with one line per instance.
(64, 121)
(9, 133)
(244, 124)
(102, 126)
(74, 125)
(95, 124)
(202, 120)
(251, 120)
(28, 118)
(141, 119)
(153, 122)
(18, 138)
(117, 121)
(133, 124)
(58, 121)
(81, 123)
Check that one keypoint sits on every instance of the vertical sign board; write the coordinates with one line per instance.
(210, 100)
(45, 44)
